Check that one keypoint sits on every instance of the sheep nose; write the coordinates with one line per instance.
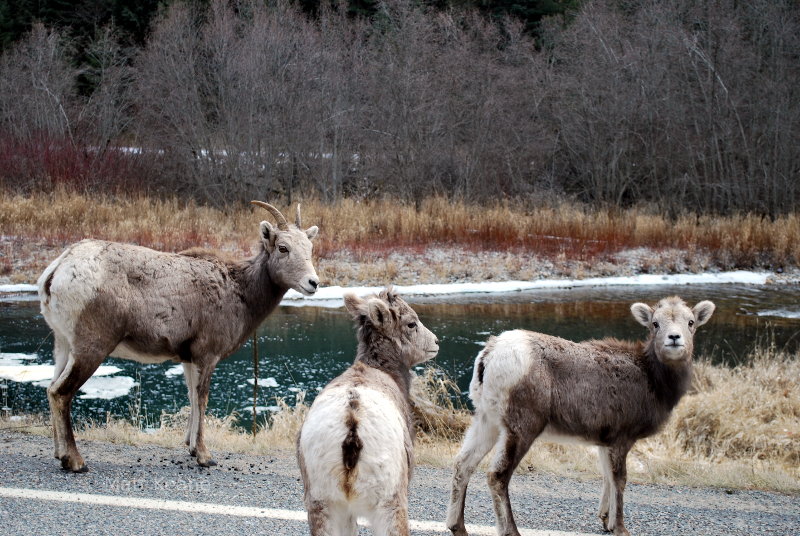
(674, 337)
(435, 339)
(314, 283)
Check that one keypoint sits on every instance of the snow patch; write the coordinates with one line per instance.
(334, 296)
(781, 313)
(17, 288)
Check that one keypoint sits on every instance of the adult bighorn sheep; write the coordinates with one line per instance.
(195, 307)
(355, 449)
(608, 393)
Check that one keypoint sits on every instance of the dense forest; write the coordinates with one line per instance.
(692, 105)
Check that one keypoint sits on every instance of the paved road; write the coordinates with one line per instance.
(140, 491)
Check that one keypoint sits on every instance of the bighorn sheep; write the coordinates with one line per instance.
(355, 449)
(608, 393)
(195, 307)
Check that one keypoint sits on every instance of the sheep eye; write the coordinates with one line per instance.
(655, 325)
(283, 249)
(412, 325)
(691, 323)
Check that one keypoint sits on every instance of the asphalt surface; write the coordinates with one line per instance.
(272, 481)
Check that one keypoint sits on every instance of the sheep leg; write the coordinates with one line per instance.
(604, 457)
(190, 375)
(60, 356)
(512, 446)
(325, 519)
(478, 441)
(78, 369)
(391, 517)
(617, 457)
(201, 401)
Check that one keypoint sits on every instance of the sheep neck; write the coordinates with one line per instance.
(668, 382)
(258, 289)
(381, 352)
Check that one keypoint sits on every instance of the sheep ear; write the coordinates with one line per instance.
(312, 231)
(389, 294)
(643, 313)
(354, 305)
(268, 235)
(702, 312)
(378, 312)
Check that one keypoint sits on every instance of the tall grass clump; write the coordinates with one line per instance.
(366, 230)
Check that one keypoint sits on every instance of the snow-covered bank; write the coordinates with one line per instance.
(17, 289)
(333, 296)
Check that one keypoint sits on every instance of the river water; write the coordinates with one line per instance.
(302, 348)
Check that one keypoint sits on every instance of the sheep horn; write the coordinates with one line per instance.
(282, 223)
(297, 217)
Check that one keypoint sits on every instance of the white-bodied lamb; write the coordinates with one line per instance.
(355, 449)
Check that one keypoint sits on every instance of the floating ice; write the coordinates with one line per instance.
(107, 388)
(174, 371)
(7, 360)
(42, 374)
(260, 409)
(264, 382)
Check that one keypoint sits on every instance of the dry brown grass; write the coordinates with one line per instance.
(739, 428)
(366, 232)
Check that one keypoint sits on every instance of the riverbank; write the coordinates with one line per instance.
(737, 428)
(376, 242)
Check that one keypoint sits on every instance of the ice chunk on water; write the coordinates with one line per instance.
(107, 388)
(264, 382)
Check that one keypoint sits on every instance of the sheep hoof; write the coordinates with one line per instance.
(604, 519)
(207, 463)
(193, 453)
(68, 465)
(458, 529)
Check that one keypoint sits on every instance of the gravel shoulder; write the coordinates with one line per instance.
(272, 480)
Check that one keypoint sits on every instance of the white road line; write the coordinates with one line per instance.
(240, 511)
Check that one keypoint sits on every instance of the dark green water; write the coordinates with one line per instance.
(303, 348)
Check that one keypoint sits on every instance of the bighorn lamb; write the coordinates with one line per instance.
(608, 393)
(355, 449)
(195, 307)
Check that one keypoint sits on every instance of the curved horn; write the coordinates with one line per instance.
(282, 224)
(297, 217)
